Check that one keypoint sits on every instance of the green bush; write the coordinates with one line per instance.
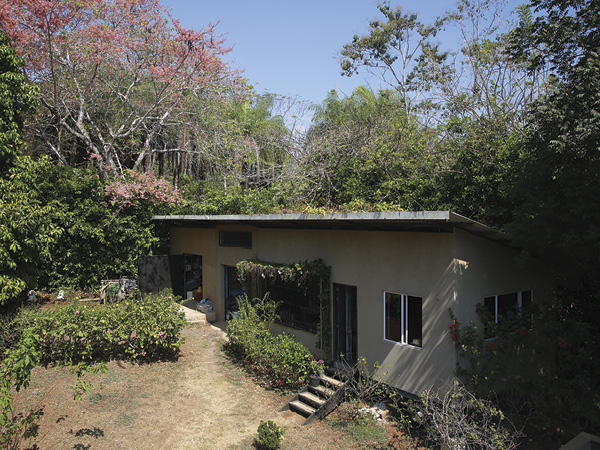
(269, 436)
(135, 328)
(284, 361)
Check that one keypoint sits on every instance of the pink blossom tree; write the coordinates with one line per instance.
(118, 78)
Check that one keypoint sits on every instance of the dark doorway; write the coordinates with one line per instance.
(344, 317)
(182, 273)
(233, 289)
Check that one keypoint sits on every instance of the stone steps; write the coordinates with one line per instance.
(316, 401)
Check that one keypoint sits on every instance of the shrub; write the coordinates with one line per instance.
(134, 328)
(79, 336)
(269, 436)
(455, 418)
(279, 357)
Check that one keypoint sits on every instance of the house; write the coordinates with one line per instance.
(393, 278)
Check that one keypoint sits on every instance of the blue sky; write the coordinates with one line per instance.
(291, 48)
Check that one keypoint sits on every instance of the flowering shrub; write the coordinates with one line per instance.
(142, 186)
(529, 371)
(132, 329)
(280, 358)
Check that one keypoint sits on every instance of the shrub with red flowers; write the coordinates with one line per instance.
(529, 372)
(454, 329)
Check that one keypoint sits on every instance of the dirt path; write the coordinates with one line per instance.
(201, 401)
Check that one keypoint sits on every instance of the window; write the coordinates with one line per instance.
(403, 319)
(241, 239)
(298, 308)
(515, 306)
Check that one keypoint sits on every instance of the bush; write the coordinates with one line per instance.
(269, 436)
(455, 418)
(134, 328)
(279, 357)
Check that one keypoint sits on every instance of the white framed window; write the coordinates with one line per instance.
(513, 306)
(403, 319)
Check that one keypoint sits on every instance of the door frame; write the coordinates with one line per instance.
(345, 322)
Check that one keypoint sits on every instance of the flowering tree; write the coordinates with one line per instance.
(115, 76)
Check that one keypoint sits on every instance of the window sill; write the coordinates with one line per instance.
(401, 344)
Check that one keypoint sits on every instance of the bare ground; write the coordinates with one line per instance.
(200, 401)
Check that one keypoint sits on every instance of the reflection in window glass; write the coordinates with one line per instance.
(516, 305)
(403, 319)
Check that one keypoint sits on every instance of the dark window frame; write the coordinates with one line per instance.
(239, 239)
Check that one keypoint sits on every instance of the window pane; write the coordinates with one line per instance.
(490, 307)
(415, 325)
(489, 304)
(298, 308)
(507, 304)
(393, 307)
(526, 308)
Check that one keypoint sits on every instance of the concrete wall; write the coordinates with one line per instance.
(444, 269)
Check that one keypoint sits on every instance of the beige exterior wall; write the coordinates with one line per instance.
(489, 269)
(446, 270)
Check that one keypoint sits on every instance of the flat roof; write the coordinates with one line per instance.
(416, 221)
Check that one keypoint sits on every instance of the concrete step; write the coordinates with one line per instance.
(332, 381)
(302, 408)
(322, 391)
(311, 399)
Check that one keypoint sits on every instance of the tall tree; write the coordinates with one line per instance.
(560, 208)
(114, 76)
(17, 98)
(398, 50)
(363, 149)
(26, 228)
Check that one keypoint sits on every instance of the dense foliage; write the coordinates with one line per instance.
(282, 360)
(17, 98)
(270, 435)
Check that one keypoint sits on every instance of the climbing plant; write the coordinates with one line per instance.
(304, 274)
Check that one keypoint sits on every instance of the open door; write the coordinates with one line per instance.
(344, 316)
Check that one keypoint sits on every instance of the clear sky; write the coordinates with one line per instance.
(292, 48)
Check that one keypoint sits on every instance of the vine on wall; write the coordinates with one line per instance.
(303, 273)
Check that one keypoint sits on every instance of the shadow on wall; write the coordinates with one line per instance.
(154, 273)
(413, 369)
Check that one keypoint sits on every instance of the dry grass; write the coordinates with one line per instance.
(200, 401)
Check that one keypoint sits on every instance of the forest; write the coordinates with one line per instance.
(112, 112)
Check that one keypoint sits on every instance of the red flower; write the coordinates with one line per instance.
(454, 337)
(522, 332)
(490, 344)
(452, 326)
(562, 343)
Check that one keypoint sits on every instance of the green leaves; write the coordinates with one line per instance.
(17, 98)
(284, 361)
